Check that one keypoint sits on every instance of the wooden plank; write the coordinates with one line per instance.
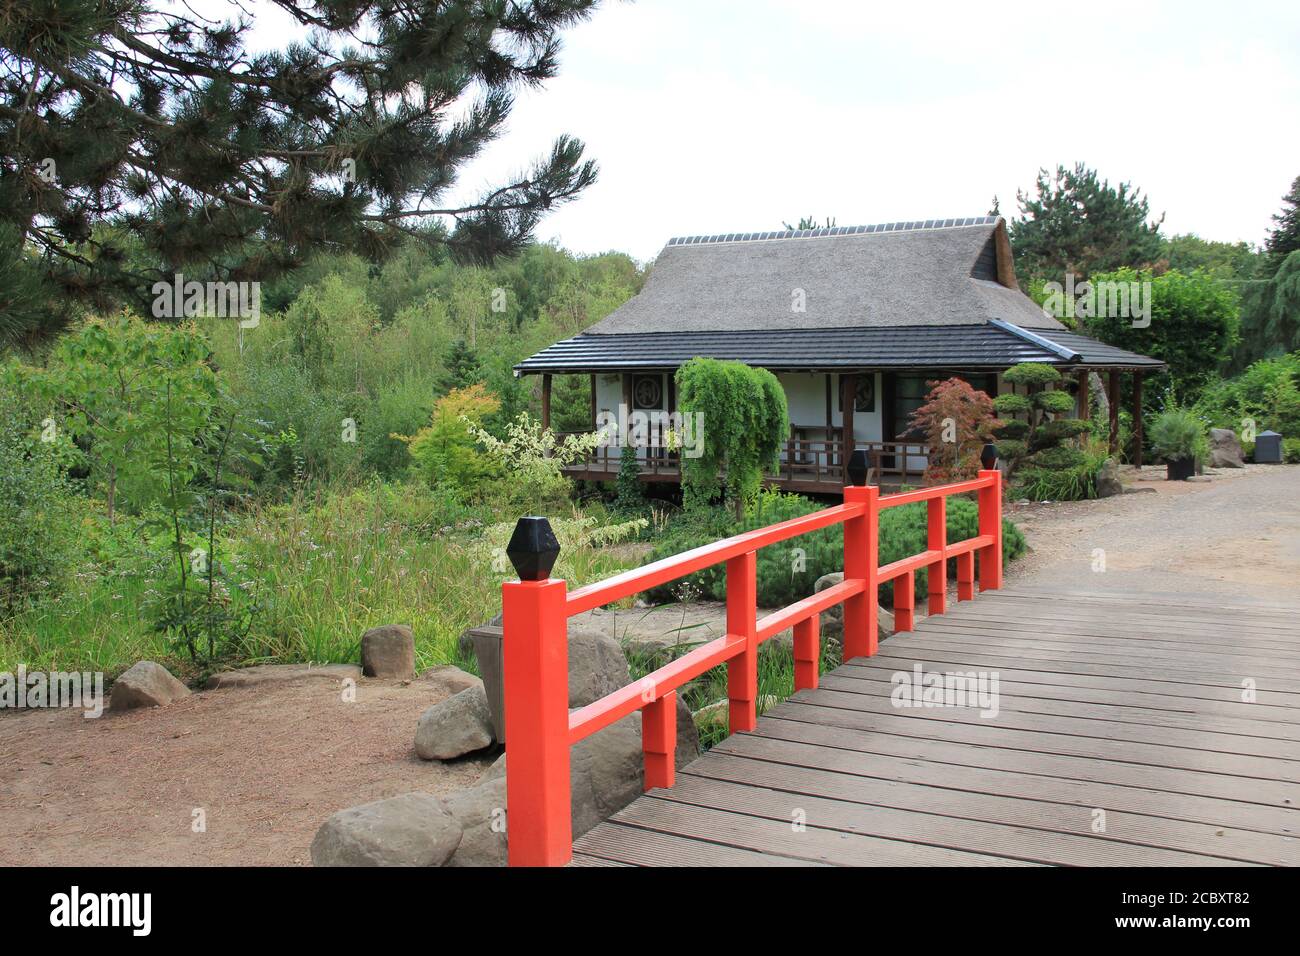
(1122, 654)
(1049, 701)
(780, 838)
(1135, 688)
(928, 768)
(581, 859)
(1150, 602)
(1246, 768)
(1070, 766)
(899, 651)
(1082, 721)
(965, 827)
(633, 846)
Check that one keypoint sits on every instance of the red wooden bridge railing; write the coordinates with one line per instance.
(541, 729)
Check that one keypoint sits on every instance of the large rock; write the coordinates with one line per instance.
(451, 728)
(145, 684)
(279, 673)
(1225, 449)
(597, 666)
(481, 813)
(388, 651)
(832, 619)
(448, 679)
(1108, 483)
(414, 829)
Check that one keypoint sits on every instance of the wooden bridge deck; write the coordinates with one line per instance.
(1122, 738)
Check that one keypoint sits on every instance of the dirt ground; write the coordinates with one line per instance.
(267, 765)
(264, 765)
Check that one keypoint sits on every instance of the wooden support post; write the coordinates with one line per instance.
(966, 576)
(807, 651)
(659, 740)
(1112, 393)
(742, 670)
(990, 523)
(861, 612)
(593, 403)
(905, 602)
(536, 669)
(937, 540)
(1137, 419)
(546, 402)
(1084, 412)
(848, 397)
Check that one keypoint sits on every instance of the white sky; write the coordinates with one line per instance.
(711, 116)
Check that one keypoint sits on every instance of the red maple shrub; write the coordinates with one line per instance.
(957, 420)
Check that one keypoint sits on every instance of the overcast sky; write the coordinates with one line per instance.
(711, 116)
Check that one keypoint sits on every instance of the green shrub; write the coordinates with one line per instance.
(39, 539)
(1267, 393)
(1179, 433)
(784, 574)
(1291, 451)
(1060, 456)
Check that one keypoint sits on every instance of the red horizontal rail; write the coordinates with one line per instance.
(540, 727)
(697, 559)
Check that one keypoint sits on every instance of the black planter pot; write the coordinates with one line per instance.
(1180, 469)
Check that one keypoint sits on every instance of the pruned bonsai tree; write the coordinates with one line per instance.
(1032, 435)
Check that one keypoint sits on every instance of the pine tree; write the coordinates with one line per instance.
(462, 366)
(138, 139)
(1285, 239)
(1079, 223)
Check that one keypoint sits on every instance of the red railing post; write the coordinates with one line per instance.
(742, 613)
(807, 650)
(659, 740)
(535, 679)
(937, 540)
(860, 563)
(990, 523)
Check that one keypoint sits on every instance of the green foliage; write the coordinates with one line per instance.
(445, 453)
(786, 572)
(1079, 223)
(1033, 375)
(1055, 402)
(1270, 313)
(1056, 458)
(1284, 240)
(1010, 449)
(1291, 451)
(529, 461)
(1194, 327)
(746, 423)
(629, 495)
(1178, 433)
(1010, 403)
(1267, 394)
(1013, 428)
(191, 152)
(39, 534)
(1223, 260)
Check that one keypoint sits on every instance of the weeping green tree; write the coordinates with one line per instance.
(743, 423)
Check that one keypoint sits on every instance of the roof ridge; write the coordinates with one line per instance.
(913, 226)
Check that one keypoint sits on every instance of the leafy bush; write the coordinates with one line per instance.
(444, 453)
(786, 572)
(39, 538)
(957, 421)
(1267, 393)
(1179, 433)
(1291, 451)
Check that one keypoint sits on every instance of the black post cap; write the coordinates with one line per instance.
(533, 549)
(989, 456)
(858, 467)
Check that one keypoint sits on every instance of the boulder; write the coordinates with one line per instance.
(832, 619)
(388, 651)
(451, 728)
(481, 813)
(279, 673)
(145, 684)
(447, 679)
(597, 666)
(688, 737)
(1108, 483)
(1225, 449)
(414, 829)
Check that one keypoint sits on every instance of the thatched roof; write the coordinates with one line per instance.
(937, 272)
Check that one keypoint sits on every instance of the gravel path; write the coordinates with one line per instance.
(1237, 533)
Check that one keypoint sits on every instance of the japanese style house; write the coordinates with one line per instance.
(854, 321)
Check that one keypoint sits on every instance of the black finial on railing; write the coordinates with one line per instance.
(858, 467)
(533, 549)
(989, 456)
